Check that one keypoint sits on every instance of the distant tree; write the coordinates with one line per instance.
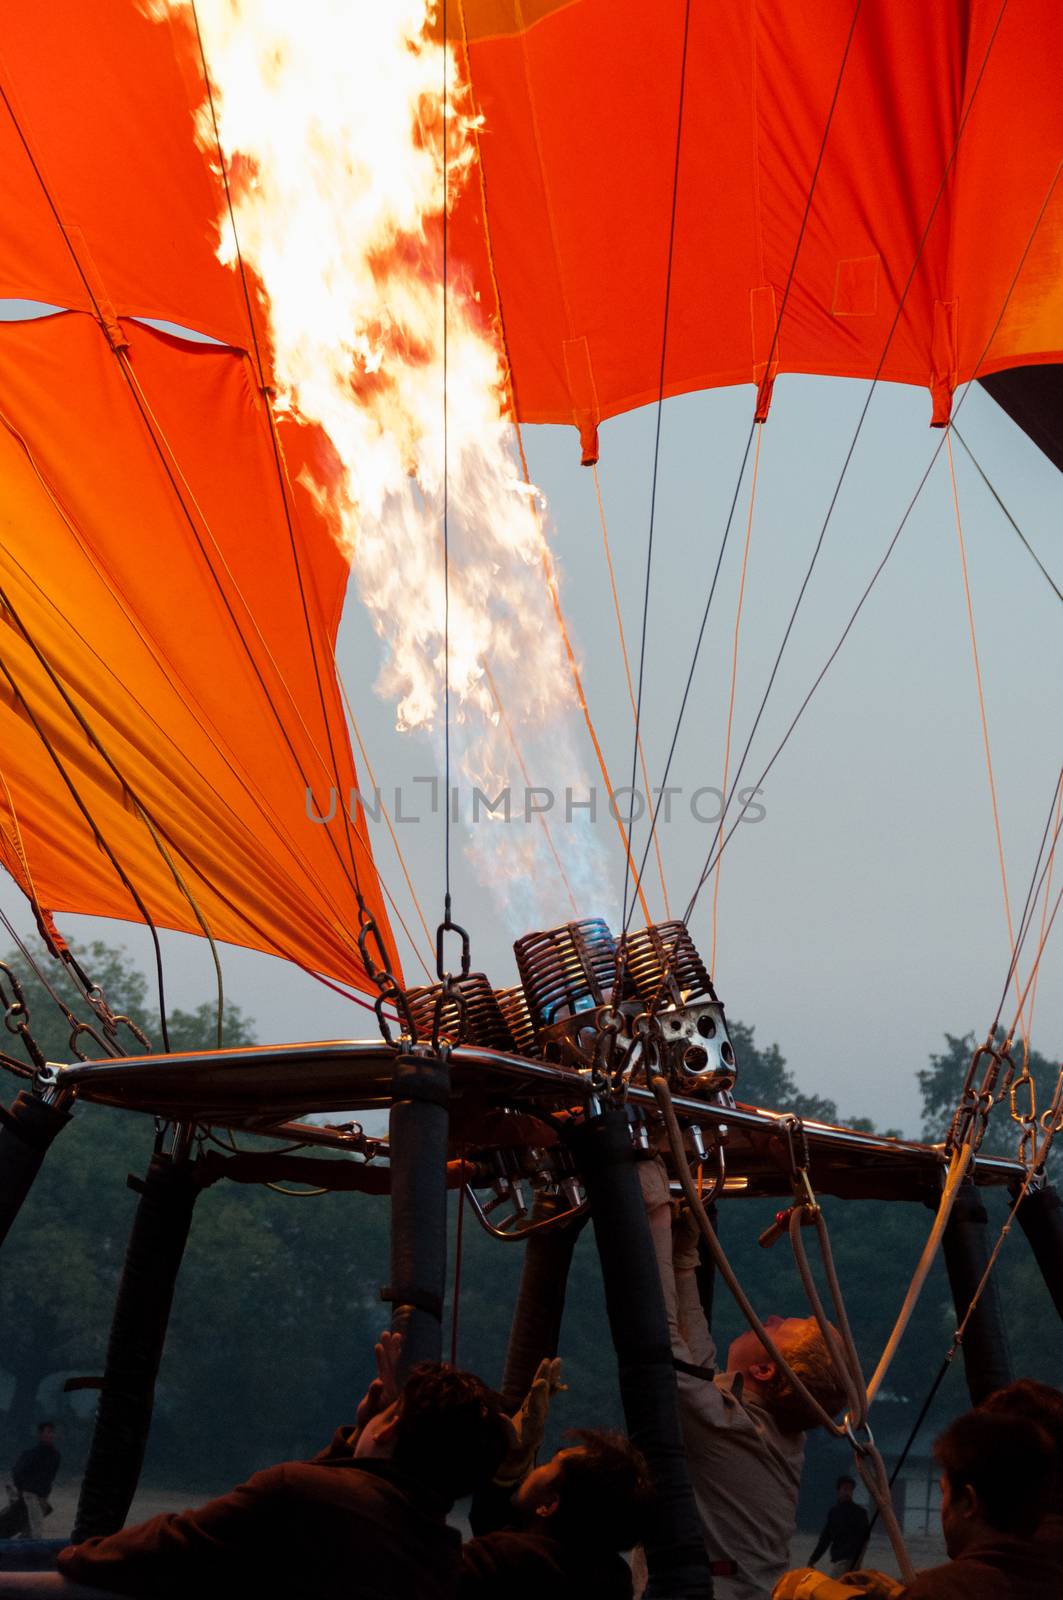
(941, 1084)
(62, 1259)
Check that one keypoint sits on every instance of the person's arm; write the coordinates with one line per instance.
(693, 1324)
(172, 1554)
(822, 1542)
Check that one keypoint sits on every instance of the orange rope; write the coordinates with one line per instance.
(630, 685)
(985, 730)
(527, 781)
(734, 682)
(1044, 907)
(551, 584)
(391, 831)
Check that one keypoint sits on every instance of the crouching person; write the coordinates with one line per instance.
(744, 1427)
(365, 1520)
(560, 1534)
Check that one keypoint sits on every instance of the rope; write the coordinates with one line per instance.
(507, 725)
(446, 508)
(856, 435)
(982, 715)
(957, 1171)
(734, 678)
(1031, 897)
(890, 547)
(458, 1251)
(391, 833)
(752, 426)
(1048, 888)
(627, 674)
(657, 426)
(1026, 543)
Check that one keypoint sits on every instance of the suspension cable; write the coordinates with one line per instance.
(877, 573)
(657, 431)
(982, 715)
(734, 681)
(757, 415)
(627, 674)
(1053, 585)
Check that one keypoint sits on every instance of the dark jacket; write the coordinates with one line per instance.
(998, 1568)
(304, 1530)
(516, 1562)
(34, 1471)
(527, 1564)
(846, 1530)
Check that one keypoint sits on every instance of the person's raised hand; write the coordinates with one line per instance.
(384, 1389)
(529, 1422)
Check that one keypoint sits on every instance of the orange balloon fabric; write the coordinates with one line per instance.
(948, 123)
(152, 635)
(146, 559)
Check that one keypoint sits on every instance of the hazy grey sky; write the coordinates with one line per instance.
(863, 917)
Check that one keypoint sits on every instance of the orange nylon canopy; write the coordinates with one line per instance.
(158, 644)
(580, 100)
(146, 558)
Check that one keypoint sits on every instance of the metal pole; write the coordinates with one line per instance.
(419, 1127)
(168, 1194)
(675, 1549)
(540, 1303)
(986, 1358)
(27, 1128)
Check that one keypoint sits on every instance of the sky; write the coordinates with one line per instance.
(861, 918)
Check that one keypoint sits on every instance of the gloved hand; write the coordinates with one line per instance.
(529, 1423)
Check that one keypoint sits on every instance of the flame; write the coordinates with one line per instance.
(330, 118)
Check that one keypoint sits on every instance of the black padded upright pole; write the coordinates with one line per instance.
(540, 1304)
(418, 1132)
(1041, 1220)
(675, 1550)
(986, 1358)
(27, 1128)
(134, 1351)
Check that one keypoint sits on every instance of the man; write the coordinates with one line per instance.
(846, 1531)
(567, 1523)
(744, 1429)
(1040, 1403)
(996, 1477)
(33, 1474)
(365, 1520)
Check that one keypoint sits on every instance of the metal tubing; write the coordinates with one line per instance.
(1041, 1220)
(138, 1333)
(540, 1304)
(27, 1128)
(418, 1132)
(986, 1358)
(675, 1549)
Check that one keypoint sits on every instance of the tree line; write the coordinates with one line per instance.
(277, 1305)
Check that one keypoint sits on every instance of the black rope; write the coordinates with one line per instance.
(169, 473)
(93, 827)
(717, 851)
(446, 516)
(1053, 585)
(1032, 894)
(745, 454)
(657, 449)
(916, 1426)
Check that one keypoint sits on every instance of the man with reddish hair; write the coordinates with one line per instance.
(744, 1427)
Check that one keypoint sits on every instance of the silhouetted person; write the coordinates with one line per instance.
(33, 1475)
(1040, 1403)
(846, 1531)
(365, 1520)
(560, 1534)
(997, 1476)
